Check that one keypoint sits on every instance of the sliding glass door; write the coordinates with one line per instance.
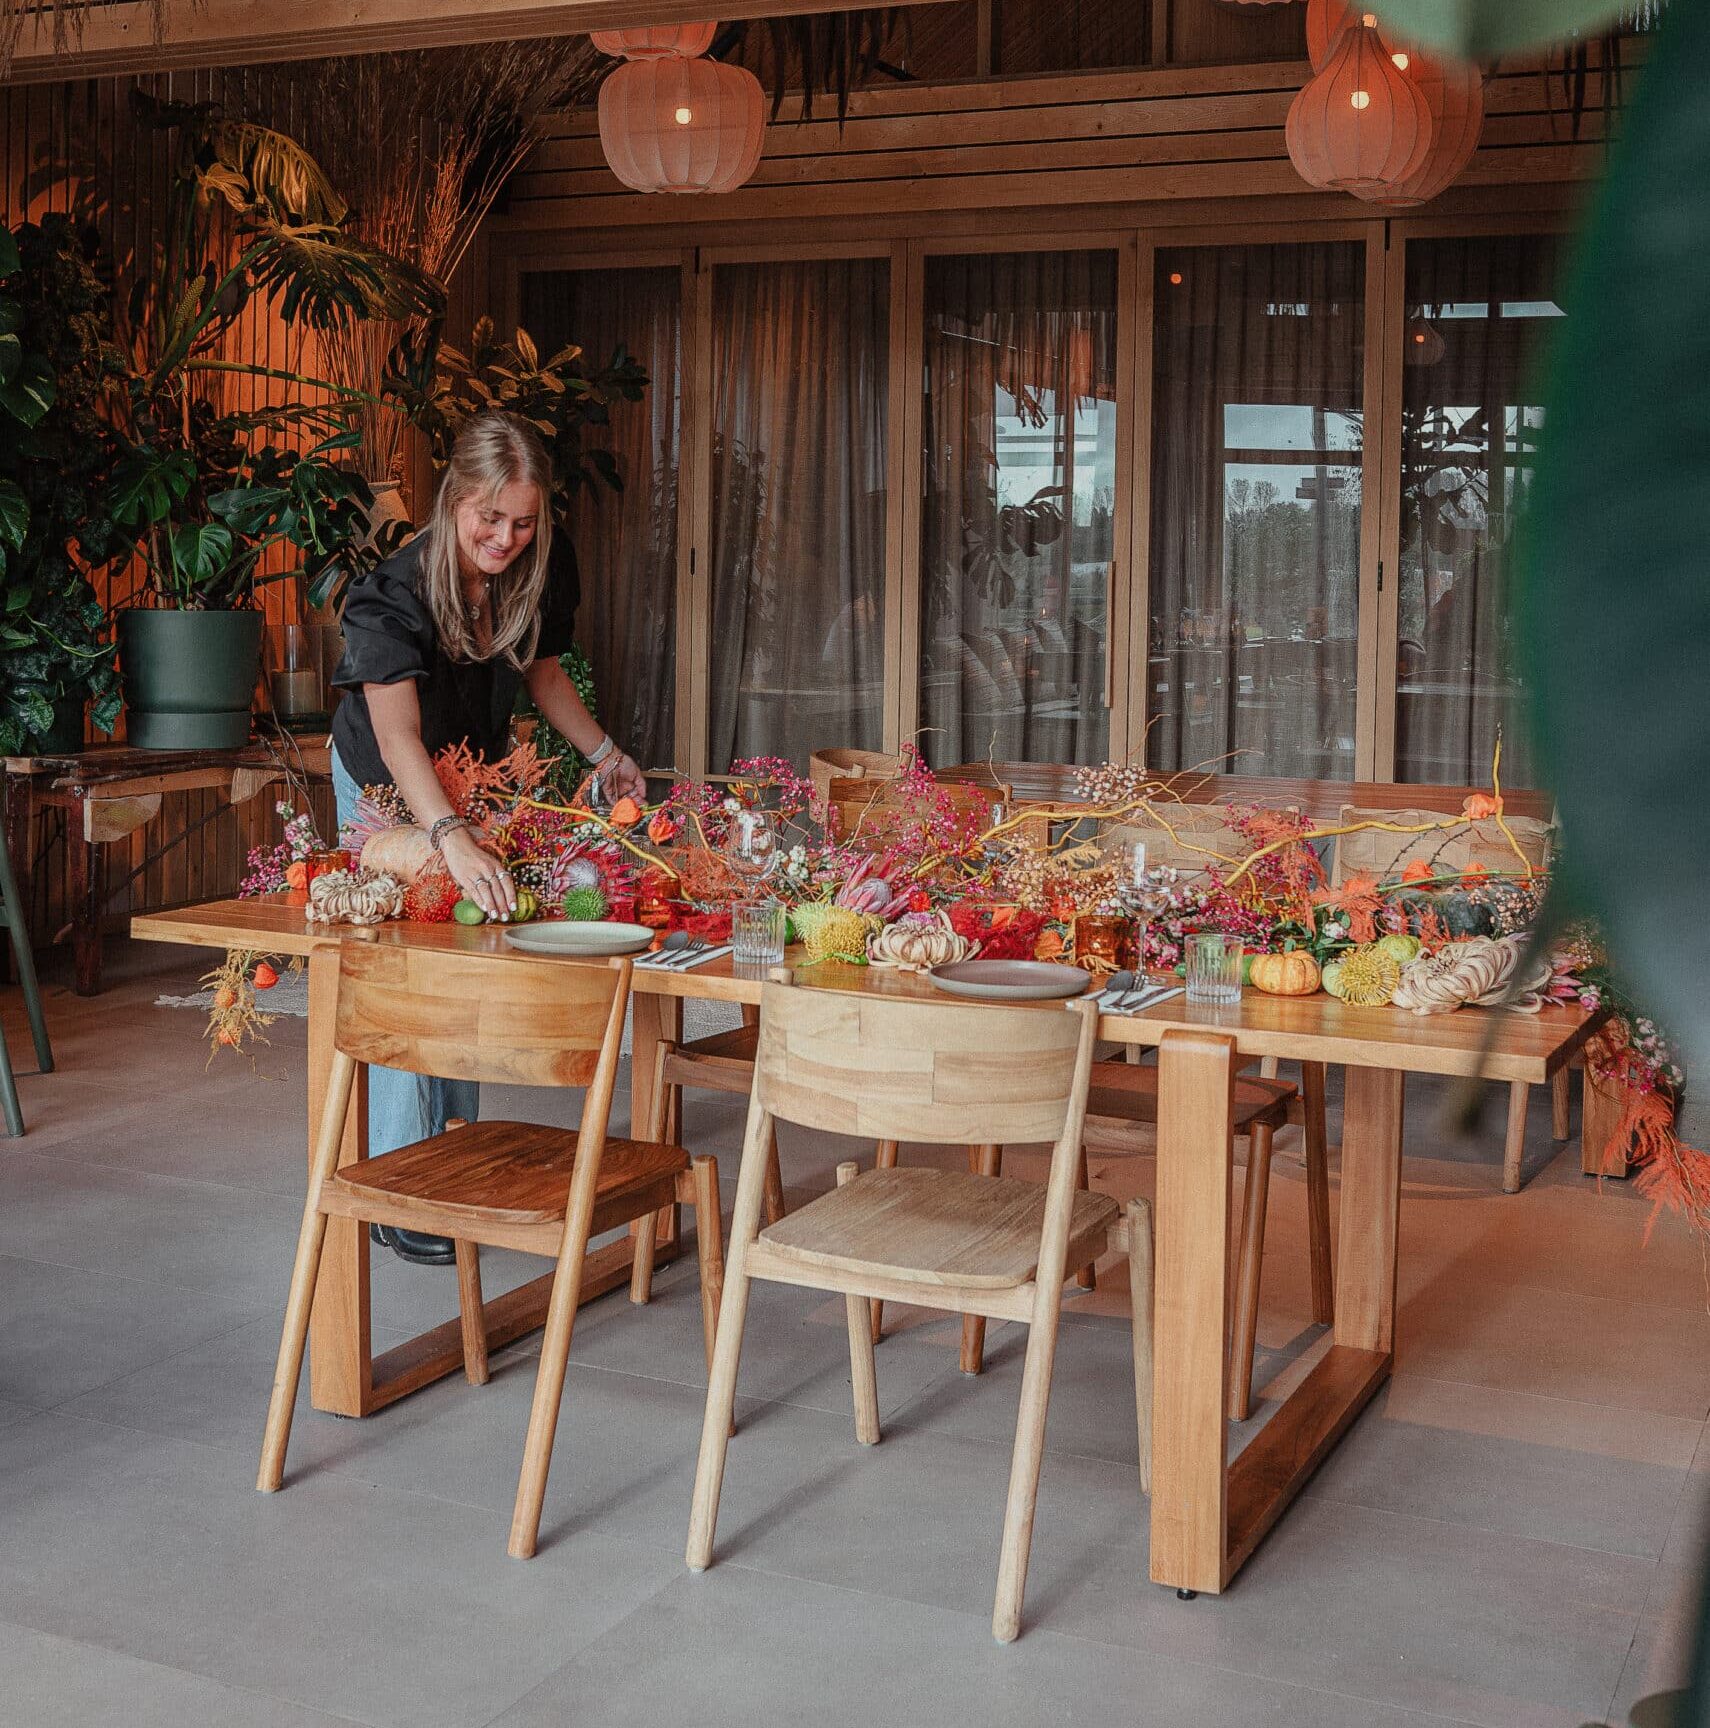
(800, 377)
(626, 542)
(1478, 312)
(1258, 424)
(1018, 539)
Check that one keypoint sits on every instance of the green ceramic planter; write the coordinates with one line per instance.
(189, 677)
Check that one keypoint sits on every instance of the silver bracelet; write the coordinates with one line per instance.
(438, 832)
(601, 751)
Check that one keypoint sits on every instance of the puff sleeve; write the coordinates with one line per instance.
(388, 630)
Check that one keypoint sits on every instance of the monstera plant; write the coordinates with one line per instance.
(221, 500)
(57, 358)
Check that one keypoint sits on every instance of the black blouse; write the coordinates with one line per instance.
(389, 636)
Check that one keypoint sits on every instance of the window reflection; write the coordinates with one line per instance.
(1478, 310)
(1257, 432)
(1017, 531)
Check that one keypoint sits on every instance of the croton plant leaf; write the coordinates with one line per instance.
(1486, 29)
(1614, 590)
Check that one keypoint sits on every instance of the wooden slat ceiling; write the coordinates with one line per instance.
(119, 37)
(1122, 137)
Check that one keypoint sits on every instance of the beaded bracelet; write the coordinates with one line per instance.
(438, 832)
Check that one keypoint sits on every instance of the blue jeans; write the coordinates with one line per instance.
(402, 1107)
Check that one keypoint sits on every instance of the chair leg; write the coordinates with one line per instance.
(471, 1313)
(1247, 1274)
(863, 1376)
(884, 1158)
(1140, 1300)
(311, 1237)
(1268, 1067)
(774, 1185)
(1559, 1104)
(727, 1350)
(1514, 1141)
(1087, 1277)
(9, 1091)
(709, 1246)
(1312, 1079)
(645, 1231)
(982, 1161)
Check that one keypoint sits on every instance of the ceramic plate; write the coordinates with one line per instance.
(1010, 980)
(580, 941)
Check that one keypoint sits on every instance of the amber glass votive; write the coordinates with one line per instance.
(325, 862)
(1099, 941)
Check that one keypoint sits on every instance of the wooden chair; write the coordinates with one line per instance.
(1381, 853)
(13, 914)
(507, 1184)
(953, 1074)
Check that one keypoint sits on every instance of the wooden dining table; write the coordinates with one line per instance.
(1208, 1512)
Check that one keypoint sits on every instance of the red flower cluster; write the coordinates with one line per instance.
(1003, 932)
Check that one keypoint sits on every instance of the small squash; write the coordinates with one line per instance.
(1291, 974)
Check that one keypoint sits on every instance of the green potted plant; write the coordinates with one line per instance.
(220, 501)
(57, 358)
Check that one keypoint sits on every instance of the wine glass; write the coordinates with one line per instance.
(753, 845)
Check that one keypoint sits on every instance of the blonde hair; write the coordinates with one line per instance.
(492, 451)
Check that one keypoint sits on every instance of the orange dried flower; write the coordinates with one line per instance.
(264, 977)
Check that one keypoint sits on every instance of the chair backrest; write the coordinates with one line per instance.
(503, 1018)
(1383, 853)
(953, 1073)
(1199, 837)
(824, 766)
(871, 812)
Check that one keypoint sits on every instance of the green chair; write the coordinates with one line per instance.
(13, 915)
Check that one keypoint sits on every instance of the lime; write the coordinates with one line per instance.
(467, 912)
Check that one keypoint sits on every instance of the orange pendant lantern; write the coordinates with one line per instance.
(674, 125)
(656, 41)
(1454, 93)
(1325, 22)
(1361, 124)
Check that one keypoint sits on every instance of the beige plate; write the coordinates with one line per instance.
(580, 941)
(1010, 980)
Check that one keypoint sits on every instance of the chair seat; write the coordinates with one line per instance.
(514, 1173)
(933, 1227)
(1128, 1092)
(723, 1062)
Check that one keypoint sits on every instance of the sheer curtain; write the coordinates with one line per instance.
(1478, 310)
(1017, 527)
(800, 357)
(626, 544)
(1256, 431)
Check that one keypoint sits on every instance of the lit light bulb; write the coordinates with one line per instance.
(1361, 98)
(1419, 337)
(683, 116)
(1175, 278)
(1369, 19)
(1400, 61)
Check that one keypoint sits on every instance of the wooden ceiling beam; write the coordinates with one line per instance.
(120, 38)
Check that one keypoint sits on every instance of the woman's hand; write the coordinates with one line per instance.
(479, 874)
(621, 778)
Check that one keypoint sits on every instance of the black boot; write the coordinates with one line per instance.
(416, 1246)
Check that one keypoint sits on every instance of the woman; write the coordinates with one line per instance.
(438, 640)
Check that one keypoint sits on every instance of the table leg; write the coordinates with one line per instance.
(87, 905)
(1371, 1209)
(1196, 1078)
(341, 1360)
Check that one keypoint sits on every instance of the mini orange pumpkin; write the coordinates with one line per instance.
(1291, 974)
(1479, 805)
(625, 813)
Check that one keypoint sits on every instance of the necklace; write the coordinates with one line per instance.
(473, 608)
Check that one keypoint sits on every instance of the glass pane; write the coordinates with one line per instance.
(1071, 35)
(626, 543)
(1017, 530)
(1257, 426)
(1477, 311)
(798, 530)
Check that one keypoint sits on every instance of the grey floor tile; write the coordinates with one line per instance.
(1499, 1460)
(817, 1657)
(65, 1329)
(64, 1683)
(379, 1604)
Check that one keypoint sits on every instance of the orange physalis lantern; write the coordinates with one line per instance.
(1360, 125)
(656, 41)
(676, 125)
